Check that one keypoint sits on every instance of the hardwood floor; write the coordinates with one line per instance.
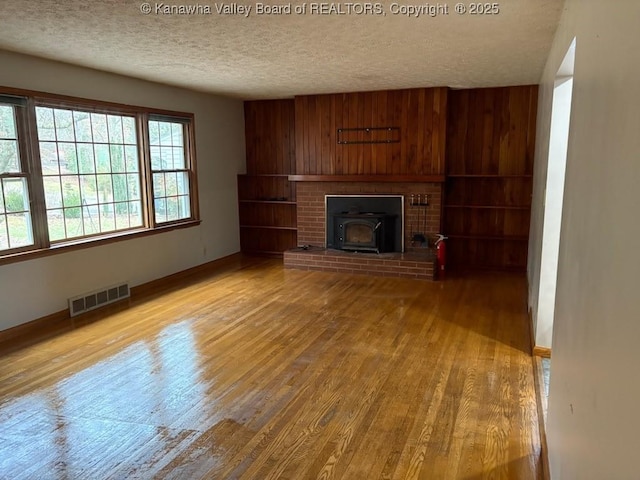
(258, 372)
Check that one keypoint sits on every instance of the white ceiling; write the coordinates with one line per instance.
(277, 56)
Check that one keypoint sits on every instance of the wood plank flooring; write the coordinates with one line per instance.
(257, 372)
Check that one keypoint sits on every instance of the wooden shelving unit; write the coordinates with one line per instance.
(266, 197)
(489, 181)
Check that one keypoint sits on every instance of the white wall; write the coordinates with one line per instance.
(593, 420)
(554, 194)
(543, 128)
(32, 289)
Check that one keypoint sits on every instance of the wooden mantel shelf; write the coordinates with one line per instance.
(368, 178)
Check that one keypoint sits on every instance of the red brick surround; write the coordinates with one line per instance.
(311, 207)
(417, 261)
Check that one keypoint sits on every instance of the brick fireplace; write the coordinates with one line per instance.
(416, 262)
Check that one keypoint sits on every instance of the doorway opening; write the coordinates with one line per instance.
(553, 198)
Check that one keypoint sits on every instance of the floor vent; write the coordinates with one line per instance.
(97, 299)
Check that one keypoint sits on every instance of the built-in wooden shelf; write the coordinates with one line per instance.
(269, 227)
(263, 175)
(369, 178)
(472, 175)
(492, 207)
(274, 202)
(470, 236)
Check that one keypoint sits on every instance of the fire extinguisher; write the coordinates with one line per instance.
(441, 255)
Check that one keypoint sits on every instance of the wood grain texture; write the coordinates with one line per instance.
(368, 178)
(490, 150)
(260, 372)
(543, 352)
(58, 322)
(270, 138)
(420, 115)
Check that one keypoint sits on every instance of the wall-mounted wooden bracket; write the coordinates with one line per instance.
(347, 136)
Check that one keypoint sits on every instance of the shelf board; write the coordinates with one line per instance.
(495, 207)
(269, 227)
(462, 175)
(275, 202)
(463, 236)
(368, 178)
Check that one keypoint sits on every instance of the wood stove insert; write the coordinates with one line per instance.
(364, 232)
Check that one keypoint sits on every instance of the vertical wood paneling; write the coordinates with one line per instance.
(491, 131)
(299, 137)
(355, 150)
(439, 134)
(489, 151)
(269, 127)
(313, 127)
(366, 120)
(383, 152)
(402, 109)
(326, 110)
(398, 148)
(431, 96)
(267, 216)
(392, 120)
(419, 113)
(420, 125)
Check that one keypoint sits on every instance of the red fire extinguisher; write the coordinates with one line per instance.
(441, 255)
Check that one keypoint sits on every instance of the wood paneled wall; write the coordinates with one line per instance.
(490, 151)
(491, 131)
(266, 197)
(420, 115)
(486, 135)
(269, 136)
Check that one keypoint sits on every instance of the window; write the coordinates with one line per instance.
(90, 171)
(16, 231)
(169, 165)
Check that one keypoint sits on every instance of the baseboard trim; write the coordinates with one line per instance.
(542, 352)
(154, 286)
(59, 322)
(536, 351)
(34, 330)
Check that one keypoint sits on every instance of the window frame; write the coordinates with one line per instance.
(28, 142)
(189, 158)
(21, 107)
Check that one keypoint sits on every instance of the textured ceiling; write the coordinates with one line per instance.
(274, 56)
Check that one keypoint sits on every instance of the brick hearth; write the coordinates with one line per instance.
(418, 265)
(416, 262)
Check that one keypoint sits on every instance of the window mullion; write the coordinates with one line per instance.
(6, 223)
(34, 177)
(190, 148)
(144, 153)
